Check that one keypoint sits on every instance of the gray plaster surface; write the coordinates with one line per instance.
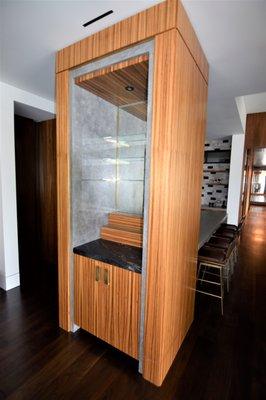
(210, 220)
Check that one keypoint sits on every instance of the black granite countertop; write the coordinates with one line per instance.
(120, 255)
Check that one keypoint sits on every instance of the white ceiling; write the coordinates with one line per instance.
(232, 34)
(32, 31)
(24, 110)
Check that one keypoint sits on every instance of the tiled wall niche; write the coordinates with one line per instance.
(110, 153)
(108, 159)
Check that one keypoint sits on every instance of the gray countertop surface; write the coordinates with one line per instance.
(210, 220)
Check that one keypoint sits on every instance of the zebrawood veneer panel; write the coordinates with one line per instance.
(124, 228)
(122, 234)
(142, 26)
(126, 305)
(63, 198)
(86, 293)
(109, 310)
(178, 128)
(135, 29)
(130, 220)
(110, 84)
(113, 68)
(188, 34)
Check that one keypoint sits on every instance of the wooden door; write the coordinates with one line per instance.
(26, 177)
(35, 145)
(46, 195)
(119, 308)
(248, 180)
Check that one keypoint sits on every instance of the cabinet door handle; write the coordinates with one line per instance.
(106, 277)
(97, 274)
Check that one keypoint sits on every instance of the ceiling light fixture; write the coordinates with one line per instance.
(97, 18)
(129, 88)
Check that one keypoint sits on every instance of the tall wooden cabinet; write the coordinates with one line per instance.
(148, 314)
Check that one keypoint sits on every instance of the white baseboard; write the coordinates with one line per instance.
(9, 282)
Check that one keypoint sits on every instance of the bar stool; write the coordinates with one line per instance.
(230, 226)
(234, 228)
(219, 241)
(229, 234)
(228, 244)
(214, 259)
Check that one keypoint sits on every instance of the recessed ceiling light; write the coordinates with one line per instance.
(129, 88)
(97, 18)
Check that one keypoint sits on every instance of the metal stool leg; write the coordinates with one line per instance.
(221, 276)
(199, 268)
(202, 278)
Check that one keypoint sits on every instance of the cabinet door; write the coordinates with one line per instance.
(126, 310)
(107, 303)
(118, 308)
(87, 277)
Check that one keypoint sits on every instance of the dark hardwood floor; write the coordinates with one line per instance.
(222, 357)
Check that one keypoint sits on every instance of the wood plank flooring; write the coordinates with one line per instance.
(222, 357)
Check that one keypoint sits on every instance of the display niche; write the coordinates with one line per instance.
(109, 135)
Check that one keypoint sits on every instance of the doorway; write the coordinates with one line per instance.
(258, 182)
(35, 154)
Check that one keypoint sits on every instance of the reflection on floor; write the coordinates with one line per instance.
(222, 357)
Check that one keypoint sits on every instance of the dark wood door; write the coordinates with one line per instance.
(247, 181)
(26, 175)
(35, 145)
(46, 201)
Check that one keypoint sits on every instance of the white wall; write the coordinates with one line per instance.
(235, 179)
(241, 106)
(2, 259)
(9, 262)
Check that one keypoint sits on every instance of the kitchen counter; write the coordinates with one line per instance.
(120, 255)
(210, 221)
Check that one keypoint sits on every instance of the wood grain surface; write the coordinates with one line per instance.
(255, 130)
(131, 220)
(122, 234)
(142, 26)
(110, 84)
(109, 310)
(132, 30)
(63, 197)
(178, 133)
